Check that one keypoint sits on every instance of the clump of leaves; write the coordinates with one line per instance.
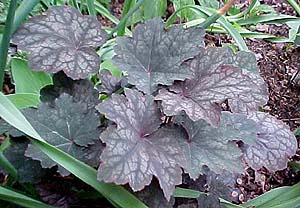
(169, 121)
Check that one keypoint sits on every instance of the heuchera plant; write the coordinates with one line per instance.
(170, 121)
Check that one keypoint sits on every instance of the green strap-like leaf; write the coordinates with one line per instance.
(20, 199)
(6, 38)
(282, 197)
(211, 17)
(117, 194)
(22, 12)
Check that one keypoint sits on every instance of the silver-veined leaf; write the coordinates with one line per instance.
(137, 149)
(154, 55)
(210, 146)
(219, 75)
(62, 126)
(62, 39)
(274, 145)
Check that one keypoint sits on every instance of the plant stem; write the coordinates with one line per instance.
(6, 38)
(225, 8)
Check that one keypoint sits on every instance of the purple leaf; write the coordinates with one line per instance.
(154, 55)
(62, 39)
(134, 111)
(137, 150)
(62, 126)
(209, 146)
(209, 201)
(80, 90)
(135, 159)
(109, 82)
(217, 77)
(29, 171)
(275, 143)
(153, 197)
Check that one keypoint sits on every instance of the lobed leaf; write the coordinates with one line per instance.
(218, 77)
(153, 197)
(137, 150)
(62, 39)
(134, 111)
(267, 142)
(209, 146)
(154, 55)
(109, 82)
(29, 171)
(80, 90)
(62, 126)
(275, 143)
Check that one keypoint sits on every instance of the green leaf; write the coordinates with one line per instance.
(194, 194)
(283, 197)
(295, 166)
(116, 194)
(107, 64)
(28, 84)
(126, 6)
(188, 14)
(24, 100)
(23, 11)
(158, 8)
(268, 18)
(211, 16)
(6, 38)
(20, 199)
(209, 3)
(91, 7)
(26, 80)
(186, 193)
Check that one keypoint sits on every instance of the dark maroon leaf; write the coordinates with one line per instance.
(154, 55)
(6, 128)
(62, 39)
(221, 185)
(62, 126)
(135, 150)
(218, 76)
(135, 159)
(57, 193)
(91, 154)
(29, 171)
(209, 146)
(109, 82)
(133, 111)
(153, 197)
(80, 90)
(209, 201)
